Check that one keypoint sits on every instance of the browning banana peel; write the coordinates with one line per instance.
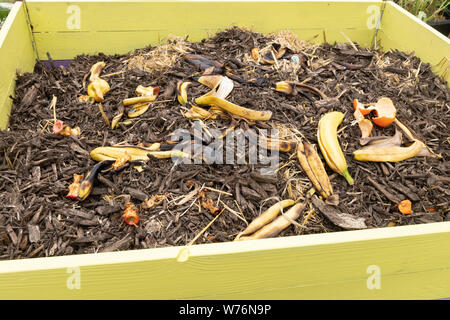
(136, 153)
(234, 109)
(97, 87)
(312, 165)
(388, 154)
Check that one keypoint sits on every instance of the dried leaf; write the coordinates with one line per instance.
(154, 201)
(343, 220)
(208, 204)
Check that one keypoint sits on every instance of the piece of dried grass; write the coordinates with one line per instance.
(161, 57)
(290, 40)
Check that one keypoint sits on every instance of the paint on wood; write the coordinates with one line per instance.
(403, 31)
(119, 27)
(406, 262)
(16, 54)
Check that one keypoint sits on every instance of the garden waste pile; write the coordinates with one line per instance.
(240, 136)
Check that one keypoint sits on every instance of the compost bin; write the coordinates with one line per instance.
(62, 248)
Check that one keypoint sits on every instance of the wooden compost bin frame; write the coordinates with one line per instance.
(405, 262)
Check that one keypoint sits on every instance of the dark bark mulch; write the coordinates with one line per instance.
(37, 166)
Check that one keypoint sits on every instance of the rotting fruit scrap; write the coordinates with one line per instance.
(137, 105)
(131, 214)
(141, 103)
(314, 169)
(74, 188)
(384, 109)
(389, 149)
(62, 129)
(221, 87)
(268, 225)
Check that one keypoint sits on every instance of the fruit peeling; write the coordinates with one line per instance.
(74, 188)
(131, 214)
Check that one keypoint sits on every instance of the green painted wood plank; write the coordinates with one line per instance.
(114, 27)
(403, 31)
(412, 260)
(16, 53)
(56, 43)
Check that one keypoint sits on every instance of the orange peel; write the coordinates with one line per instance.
(405, 207)
(384, 109)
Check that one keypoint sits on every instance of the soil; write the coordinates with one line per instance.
(37, 166)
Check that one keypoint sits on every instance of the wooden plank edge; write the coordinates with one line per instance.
(185, 252)
(441, 67)
(9, 22)
(393, 6)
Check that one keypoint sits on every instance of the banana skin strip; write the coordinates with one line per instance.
(136, 153)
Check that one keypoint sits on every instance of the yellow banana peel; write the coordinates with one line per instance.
(234, 109)
(329, 144)
(138, 109)
(182, 92)
(220, 86)
(199, 113)
(145, 95)
(96, 69)
(97, 89)
(136, 153)
(388, 154)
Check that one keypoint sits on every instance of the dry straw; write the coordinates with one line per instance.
(160, 58)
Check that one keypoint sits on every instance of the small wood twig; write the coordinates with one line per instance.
(349, 40)
(233, 212)
(113, 74)
(218, 191)
(53, 106)
(100, 107)
(204, 229)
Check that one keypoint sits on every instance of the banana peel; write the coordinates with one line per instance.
(137, 110)
(329, 144)
(313, 167)
(411, 135)
(182, 92)
(377, 153)
(144, 94)
(139, 105)
(290, 88)
(234, 109)
(220, 86)
(117, 117)
(135, 153)
(197, 113)
(389, 149)
(95, 70)
(87, 184)
(97, 87)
